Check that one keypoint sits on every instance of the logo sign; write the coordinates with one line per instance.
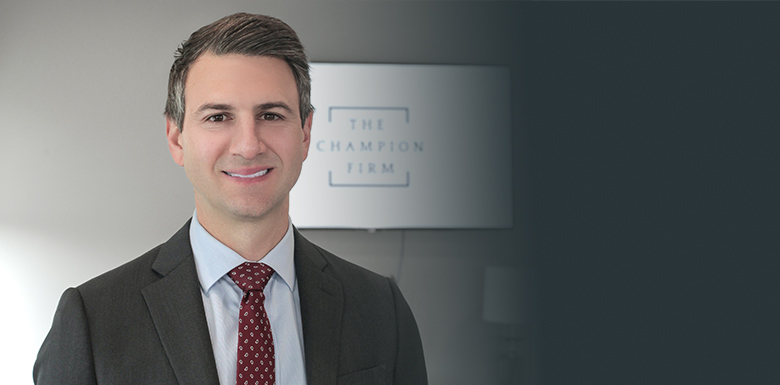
(407, 146)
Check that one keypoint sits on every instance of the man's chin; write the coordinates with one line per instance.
(256, 213)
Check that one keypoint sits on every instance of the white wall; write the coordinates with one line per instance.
(87, 183)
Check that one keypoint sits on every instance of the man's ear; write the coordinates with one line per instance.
(174, 141)
(307, 134)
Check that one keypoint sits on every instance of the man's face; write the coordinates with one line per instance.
(243, 142)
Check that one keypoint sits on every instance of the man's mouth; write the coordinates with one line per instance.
(255, 175)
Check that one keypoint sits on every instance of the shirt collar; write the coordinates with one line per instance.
(213, 259)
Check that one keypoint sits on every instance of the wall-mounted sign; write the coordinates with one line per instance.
(407, 146)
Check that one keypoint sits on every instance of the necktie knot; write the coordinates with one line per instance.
(251, 276)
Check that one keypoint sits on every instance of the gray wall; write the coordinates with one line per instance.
(87, 182)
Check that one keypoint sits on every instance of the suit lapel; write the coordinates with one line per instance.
(176, 308)
(321, 311)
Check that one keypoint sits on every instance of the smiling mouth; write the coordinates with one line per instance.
(255, 175)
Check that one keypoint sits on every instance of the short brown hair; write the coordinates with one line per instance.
(240, 33)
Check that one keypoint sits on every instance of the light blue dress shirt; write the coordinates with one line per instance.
(222, 298)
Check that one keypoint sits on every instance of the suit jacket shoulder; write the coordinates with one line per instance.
(142, 322)
(357, 326)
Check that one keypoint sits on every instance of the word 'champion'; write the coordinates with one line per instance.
(368, 146)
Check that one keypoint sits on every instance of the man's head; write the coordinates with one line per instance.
(246, 128)
(245, 34)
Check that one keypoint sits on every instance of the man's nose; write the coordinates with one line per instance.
(247, 139)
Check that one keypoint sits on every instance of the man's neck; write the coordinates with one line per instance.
(251, 238)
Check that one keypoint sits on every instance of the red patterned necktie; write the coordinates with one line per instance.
(255, 365)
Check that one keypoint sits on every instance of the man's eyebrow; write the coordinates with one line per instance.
(215, 106)
(258, 108)
(271, 105)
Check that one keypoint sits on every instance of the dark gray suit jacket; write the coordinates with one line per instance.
(144, 323)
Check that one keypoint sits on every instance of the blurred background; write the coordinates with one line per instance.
(644, 178)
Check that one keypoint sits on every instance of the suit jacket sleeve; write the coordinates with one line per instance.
(410, 362)
(66, 354)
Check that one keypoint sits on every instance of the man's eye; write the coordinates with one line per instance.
(270, 116)
(216, 118)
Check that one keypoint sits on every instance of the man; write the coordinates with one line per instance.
(239, 122)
